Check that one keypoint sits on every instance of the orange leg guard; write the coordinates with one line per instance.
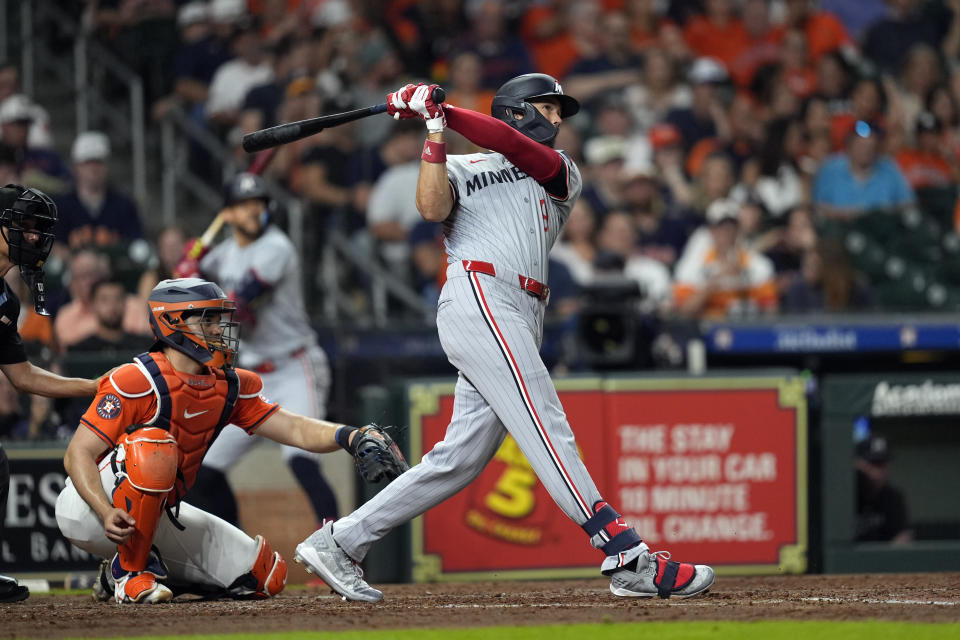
(266, 578)
(150, 464)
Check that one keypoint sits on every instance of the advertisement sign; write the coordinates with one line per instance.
(30, 540)
(712, 470)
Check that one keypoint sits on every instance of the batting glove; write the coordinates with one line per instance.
(398, 102)
(432, 113)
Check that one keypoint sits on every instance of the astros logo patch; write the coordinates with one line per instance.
(109, 407)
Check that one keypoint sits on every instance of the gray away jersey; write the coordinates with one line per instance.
(281, 325)
(503, 216)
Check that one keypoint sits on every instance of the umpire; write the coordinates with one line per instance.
(27, 218)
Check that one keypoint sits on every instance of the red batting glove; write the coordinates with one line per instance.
(432, 113)
(189, 265)
(398, 102)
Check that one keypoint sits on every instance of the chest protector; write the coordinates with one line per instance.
(194, 415)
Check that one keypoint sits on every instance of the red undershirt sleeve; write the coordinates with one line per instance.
(537, 160)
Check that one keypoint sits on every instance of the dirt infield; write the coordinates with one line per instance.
(916, 598)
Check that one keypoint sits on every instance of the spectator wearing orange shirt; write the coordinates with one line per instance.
(761, 47)
(720, 277)
(561, 36)
(926, 166)
(824, 32)
(718, 33)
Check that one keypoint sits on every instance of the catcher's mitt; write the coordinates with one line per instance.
(376, 455)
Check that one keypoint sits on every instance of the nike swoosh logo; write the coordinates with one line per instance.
(480, 160)
(188, 415)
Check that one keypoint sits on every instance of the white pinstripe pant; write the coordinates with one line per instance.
(491, 331)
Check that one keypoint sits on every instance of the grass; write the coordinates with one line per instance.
(776, 630)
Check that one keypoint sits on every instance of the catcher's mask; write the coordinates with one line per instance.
(27, 228)
(213, 339)
(514, 97)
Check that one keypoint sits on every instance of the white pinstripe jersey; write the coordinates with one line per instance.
(503, 216)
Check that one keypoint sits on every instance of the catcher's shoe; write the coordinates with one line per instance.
(104, 585)
(640, 573)
(137, 587)
(321, 555)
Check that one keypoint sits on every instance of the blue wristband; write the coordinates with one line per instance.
(343, 436)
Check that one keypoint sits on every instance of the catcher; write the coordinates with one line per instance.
(141, 442)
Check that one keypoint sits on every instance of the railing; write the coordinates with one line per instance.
(177, 183)
(126, 123)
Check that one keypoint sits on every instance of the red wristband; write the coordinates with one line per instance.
(435, 152)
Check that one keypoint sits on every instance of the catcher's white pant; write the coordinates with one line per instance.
(300, 384)
(209, 551)
(491, 331)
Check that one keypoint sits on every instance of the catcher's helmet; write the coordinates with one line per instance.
(513, 99)
(172, 302)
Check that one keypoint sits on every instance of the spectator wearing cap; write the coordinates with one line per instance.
(720, 277)
(605, 157)
(661, 229)
(39, 136)
(926, 166)
(861, 179)
(200, 54)
(706, 115)
(39, 167)
(882, 514)
(718, 33)
(94, 213)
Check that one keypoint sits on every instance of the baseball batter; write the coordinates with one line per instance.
(140, 444)
(258, 268)
(501, 212)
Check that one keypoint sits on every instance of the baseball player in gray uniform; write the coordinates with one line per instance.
(259, 269)
(502, 212)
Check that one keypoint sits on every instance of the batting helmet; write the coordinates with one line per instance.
(249, 186)
(514, 97)
(173, 302)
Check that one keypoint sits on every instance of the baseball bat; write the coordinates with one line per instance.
(259, 164)
(291, 131)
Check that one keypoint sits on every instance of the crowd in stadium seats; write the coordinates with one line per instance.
(741, 157)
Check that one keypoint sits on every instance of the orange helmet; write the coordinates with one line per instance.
(172, 302)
